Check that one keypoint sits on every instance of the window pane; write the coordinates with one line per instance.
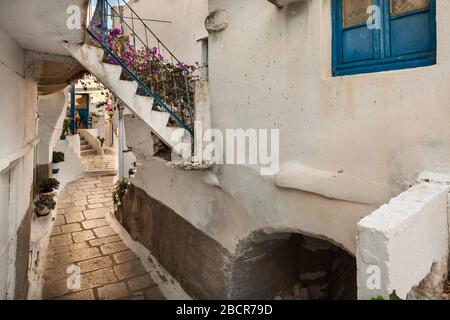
(399, 7)
(354, 12)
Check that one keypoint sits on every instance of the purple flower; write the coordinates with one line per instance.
(115, 32)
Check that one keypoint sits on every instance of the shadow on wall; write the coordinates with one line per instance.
(264, 266)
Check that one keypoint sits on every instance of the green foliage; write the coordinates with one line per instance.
(102, 141)
(48, 185)
(66, 127)
(40, 204)
(120, 190)
(172, 81)
(58, 157)
(392, 296)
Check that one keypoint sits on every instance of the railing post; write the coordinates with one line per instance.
(104, 19)
(72, 109)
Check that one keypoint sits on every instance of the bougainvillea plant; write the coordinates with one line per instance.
(172, 81)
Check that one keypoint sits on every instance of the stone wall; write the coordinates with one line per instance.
(190, 256)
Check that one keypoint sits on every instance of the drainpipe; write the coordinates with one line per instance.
(121, 142)
(72, 109)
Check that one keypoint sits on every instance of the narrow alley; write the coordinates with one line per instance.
(82, 237)
(224, 150)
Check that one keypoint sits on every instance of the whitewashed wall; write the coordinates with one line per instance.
(52, 111)
(72, 167)
(185, 29)
(18, 98)
(271, 69)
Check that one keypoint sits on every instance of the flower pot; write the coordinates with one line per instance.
(42, 211)
(56, 167)
(46, 196)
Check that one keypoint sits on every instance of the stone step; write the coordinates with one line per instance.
(84, 142)
(88, 152)
(84, 147)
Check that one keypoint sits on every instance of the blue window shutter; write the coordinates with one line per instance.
(404, 41)
(357, 44)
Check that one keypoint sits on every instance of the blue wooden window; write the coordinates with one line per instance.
(406, 37)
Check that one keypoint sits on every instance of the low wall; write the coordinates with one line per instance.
(403, 246)
(72, 167)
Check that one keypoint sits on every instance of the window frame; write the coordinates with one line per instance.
(381, 43)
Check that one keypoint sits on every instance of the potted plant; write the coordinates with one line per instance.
(109, 109)
(44, 207)
(65, 130)
(102, 140)
(57, 158)
(45, 203)
(120, 189)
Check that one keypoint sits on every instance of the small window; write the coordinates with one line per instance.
(380, 35)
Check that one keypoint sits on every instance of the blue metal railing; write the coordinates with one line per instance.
(109, 16)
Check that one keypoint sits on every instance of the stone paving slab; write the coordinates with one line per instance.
(81, 237)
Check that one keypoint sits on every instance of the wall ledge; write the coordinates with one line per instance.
(333, 185)
(7, 160)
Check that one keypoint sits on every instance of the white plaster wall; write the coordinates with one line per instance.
(52, 111)
(72, 167)
(271, 68)
(42, 26)
(18, 98)
(399, 243)
(274, 72)
(182, 34)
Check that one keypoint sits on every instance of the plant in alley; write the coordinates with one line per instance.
(42, 207)
(46, 202)
(58, 157)
(120, 190)
(172, 81)
(48, 185)
(102, 140)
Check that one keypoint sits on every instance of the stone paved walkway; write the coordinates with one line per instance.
(82, 237)
(100, 162)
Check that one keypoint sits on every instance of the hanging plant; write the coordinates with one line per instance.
(172, 82)
(120, 189)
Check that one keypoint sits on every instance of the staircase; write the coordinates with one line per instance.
(85, 148)
(92, 59)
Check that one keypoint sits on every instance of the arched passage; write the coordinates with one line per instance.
(292, 266)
